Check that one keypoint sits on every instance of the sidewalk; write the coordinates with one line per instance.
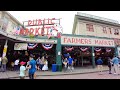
(80, 70)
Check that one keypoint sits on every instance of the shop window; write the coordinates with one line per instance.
(110, 31)
(116, 32)
(89, 27)
(104, 30)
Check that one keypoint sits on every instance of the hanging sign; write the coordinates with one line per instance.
(46, 27)
(32, 45)
(20, 46)
(85, 41)
(47, 46)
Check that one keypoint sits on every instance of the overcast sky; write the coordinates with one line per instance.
(67, 16)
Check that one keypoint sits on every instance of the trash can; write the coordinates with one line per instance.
(54, 67)
(59, 67)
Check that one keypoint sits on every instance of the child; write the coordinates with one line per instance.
(22, 70)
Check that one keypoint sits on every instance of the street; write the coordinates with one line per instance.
(96, 75)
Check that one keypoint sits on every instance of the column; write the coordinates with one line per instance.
(116, 51)
(82, 58)
(5, 49)
(58, 52)
(93, 57)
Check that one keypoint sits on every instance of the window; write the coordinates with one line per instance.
(110, 31)
(104, 30)
(116, 32)
(5, 23)
(89, 27)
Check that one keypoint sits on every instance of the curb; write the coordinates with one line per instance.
(59, 74)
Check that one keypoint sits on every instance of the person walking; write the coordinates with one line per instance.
(16, 65)
(32, 67)
(70, 63)
(22, 70)
(115, 62)
(65, 63)
(109, 64)
(38, 63)
(99, 63)
(4, 62)
(42, 62)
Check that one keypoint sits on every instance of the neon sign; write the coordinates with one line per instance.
(38, 27)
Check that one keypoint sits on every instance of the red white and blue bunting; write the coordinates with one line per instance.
(69, 48)
(32, 45)
(108, 50)
(47, 46)
(83, 49)
(97, 49)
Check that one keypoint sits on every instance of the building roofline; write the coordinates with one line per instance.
(79, 17)
(74, 24)
(97, 17)
(97, 20)
(12, 17)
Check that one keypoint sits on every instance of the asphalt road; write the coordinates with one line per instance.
(104, 75)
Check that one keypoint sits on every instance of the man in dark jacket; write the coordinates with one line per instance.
(109, 64)
(99, 63)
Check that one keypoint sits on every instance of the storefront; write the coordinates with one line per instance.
(41, 39)
(89, 48)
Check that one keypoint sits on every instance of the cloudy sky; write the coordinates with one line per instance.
(67, 17)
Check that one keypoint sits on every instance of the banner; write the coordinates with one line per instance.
(20, 46)
(108, 49)
(97, 49)
(86, 41)
(83, 49)
(32, 45)
(69, 48)
(47, 46)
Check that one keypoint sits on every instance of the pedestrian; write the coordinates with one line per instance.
(45, 67)
(70, 63)
(99, 63)
(22, 70)
(4, 62)
(32, 67)
(109, 64)
(115, 62)
(38, 63)
(12, 66)
(16, 65)
(42, 62)
(65, 63)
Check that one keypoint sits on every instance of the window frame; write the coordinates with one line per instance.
(89, 27)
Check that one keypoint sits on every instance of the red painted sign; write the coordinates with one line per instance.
(86, 41)
(42, 27)
(39, 22)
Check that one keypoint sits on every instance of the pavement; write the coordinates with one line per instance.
(77, 70)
